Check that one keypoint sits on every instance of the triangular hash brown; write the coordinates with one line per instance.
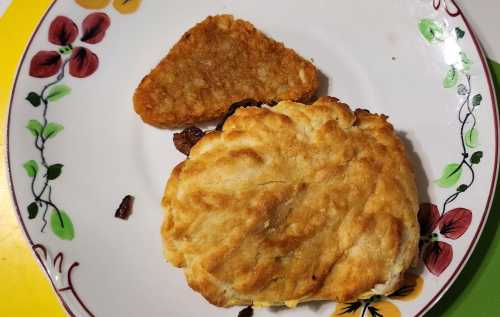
(216, 63)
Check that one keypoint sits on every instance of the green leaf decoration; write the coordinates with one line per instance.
(31, 168)
(459, 33)
(32, 210)
(34, 99)
(451, 78)
(450, 176)
(65, 230)
(430, 30)
(57, 92)
(35, 127)
(51, 130)
(54, 171)
(462, 90)
(466, 61)
(462, 188)
(476, 157)
(476, 100)
(471, 137)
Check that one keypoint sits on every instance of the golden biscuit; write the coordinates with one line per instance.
(216, 63)
(293, 203)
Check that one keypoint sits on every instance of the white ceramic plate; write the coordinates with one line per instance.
(76, 147)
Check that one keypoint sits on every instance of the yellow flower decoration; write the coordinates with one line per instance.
(122, 6)
(411, 289)
(382, 306)
(92, 4)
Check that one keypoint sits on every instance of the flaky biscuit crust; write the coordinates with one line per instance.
(293, 203)
(216, 63)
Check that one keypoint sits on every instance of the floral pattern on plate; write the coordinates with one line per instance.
(122, 6)
(81, 63)
(383, 306)
(437, 254)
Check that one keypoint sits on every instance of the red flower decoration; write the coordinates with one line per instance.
(455, 222)
(452, 224)
(94, 27)
(437, 256)
(83, 62)
(428, 218)
(63, 31)
(45, 64)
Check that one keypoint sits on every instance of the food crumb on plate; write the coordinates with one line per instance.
(125, 209)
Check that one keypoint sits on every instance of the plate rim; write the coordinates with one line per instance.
(494, 182)
(7, 160)
(430, 303)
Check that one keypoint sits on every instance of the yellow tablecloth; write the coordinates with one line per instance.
(24, 289)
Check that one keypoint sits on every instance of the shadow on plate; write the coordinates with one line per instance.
(418, 168)
(422, 183)
(324, 83)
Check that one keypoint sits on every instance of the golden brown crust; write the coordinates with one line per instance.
(216, 63)
(292, 203)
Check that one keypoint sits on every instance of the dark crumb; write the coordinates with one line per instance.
(186, 139)
(312, 60)
(125, 209)
(314, 277)
(243, 103)
(247, 312)
(394, 58)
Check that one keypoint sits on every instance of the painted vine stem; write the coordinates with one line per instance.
(43, 132)
(468, 141)
(79, 62)
(451, 224)
(434, 32)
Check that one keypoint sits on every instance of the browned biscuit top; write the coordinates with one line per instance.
(293, 203)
